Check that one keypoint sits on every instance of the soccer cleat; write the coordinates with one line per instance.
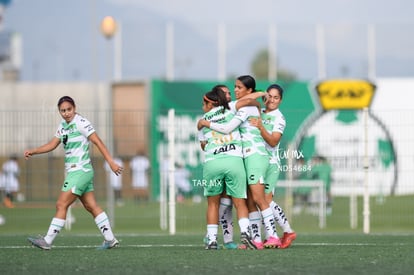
(247, 241)
(40, 243)
(212, 246)
(230, 245)
(109, 244)
(259, 245)
(8, 203)
(287, 239)
(205, 240)
(272, 242)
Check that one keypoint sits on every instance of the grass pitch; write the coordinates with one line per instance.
(184, 254)
(146, 249)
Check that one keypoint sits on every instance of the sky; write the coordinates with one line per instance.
(322, 11)
(61, 40)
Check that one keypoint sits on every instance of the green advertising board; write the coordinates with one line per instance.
(323, 119)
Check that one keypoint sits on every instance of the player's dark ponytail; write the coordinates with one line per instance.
(217, 98)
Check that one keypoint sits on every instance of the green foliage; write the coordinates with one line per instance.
(260, 68)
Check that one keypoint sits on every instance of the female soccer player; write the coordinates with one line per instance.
(271, 126)
(223, 169)
(256, 161)
(75, 132)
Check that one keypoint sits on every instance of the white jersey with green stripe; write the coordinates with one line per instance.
(74, 137)
(273, 121)
(220, 145)
(253, 142)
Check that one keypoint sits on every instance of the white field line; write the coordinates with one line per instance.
(192, 245)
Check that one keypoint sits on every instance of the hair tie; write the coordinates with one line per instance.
(209, 100)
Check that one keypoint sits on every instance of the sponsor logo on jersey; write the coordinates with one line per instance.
(225, 148)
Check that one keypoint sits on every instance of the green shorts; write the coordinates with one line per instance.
(272, 175)
(256, 167)
(79, 182)
(225, 174)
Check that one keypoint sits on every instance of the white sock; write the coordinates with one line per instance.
(55, 226)
(226, 219)
(104, 226)
(280, 217)
(269, 222)
(244, 224)
(212, 230)
(256, 226)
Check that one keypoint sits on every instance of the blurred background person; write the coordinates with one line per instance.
(322, 170)
(10, 180)
(182, 182)
(139, 170)
(115, 181)
(301, 195)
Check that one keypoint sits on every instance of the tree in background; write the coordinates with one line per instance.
(260, 68)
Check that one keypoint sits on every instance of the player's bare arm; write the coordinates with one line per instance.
(271, 138)
(96, 140)
(50, 146)
(203, 123)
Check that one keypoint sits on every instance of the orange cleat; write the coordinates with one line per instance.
(287, 239)
(8, 203)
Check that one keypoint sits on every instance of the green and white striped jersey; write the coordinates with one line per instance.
(74, 137)
(220, 145)
(252, 140)
(273, 121)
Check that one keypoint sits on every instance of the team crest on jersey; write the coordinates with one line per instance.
(266, 121)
